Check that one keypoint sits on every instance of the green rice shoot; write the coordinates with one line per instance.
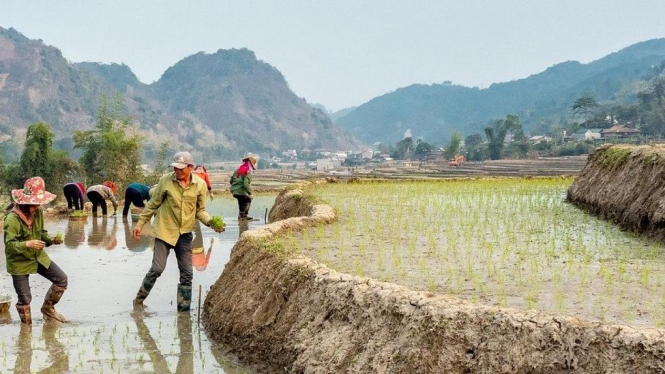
(216, 223)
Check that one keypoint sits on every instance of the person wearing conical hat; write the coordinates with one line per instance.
(241, 187)
(25, 240)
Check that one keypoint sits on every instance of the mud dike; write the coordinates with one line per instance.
(286, 313)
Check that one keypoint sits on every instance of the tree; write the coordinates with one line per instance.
(160, 164)
(404, 149)
(110, 151)
(497, 134)
(585, 105)
(39, 158)
(453, 147)
(423, 149)
(473, 140)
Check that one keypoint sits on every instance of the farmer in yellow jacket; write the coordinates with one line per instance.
(178, 200)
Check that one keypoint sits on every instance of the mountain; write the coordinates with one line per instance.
(218, 105)
(120, 76)
(341, 113)
(246, 103)
(433, 112)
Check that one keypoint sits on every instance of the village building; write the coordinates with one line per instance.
(328, 164)
(587, 134)
(618, 131)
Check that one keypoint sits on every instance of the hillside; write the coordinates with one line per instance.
(219, 105)
(433, 112)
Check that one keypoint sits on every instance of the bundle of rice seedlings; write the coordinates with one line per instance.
(216, 223)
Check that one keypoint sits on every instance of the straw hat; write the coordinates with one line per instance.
(251, 159)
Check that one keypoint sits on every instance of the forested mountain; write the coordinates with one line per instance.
(219, 105)
(433, 112)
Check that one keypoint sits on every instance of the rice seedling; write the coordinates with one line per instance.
(216, 223)
(505, 236)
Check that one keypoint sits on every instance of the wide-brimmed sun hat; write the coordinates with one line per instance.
(33, 193)
(182, 159)
(251, 159)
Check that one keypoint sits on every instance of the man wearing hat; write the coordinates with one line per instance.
(177, 202)
(240, 187)
(25, 239)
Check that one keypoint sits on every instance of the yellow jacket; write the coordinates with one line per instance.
(175, 208)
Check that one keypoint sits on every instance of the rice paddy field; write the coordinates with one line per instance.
(105, 267)
(509, 242)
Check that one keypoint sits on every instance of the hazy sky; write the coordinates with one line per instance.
(343, 53)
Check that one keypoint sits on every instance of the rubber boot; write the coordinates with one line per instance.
(144, 291)
(184, 298)
(52, 297)
(24, 314)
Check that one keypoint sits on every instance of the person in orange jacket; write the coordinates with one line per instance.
(202, 172)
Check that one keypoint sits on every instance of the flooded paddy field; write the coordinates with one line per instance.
(105, 267)
(510, 242)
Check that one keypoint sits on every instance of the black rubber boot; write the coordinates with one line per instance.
(144, 291)
(184, 298)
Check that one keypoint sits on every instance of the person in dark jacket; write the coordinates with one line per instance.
(241, 187)
(135, 194)
(74, 193)
(25, 239)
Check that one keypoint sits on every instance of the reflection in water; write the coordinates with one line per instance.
(159, 363)
(100, 237)
(5, 318)
(74, 234)
(57, 352)
(144, 242)
(200, 258)
(243, 225)
(105, 338)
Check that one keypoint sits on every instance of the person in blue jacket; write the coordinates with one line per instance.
(135, 194)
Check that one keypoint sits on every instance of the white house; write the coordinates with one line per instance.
(328, 163)
(587, 134)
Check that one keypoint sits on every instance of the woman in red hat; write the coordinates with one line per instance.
(25, 239)
(241, 187)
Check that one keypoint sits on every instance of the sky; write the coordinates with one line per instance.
(343, 53)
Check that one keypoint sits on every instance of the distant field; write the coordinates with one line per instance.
(275, 179)
(511, 242)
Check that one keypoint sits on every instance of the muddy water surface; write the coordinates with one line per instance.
(105, 267)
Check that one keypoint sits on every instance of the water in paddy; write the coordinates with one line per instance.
(105, 267)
